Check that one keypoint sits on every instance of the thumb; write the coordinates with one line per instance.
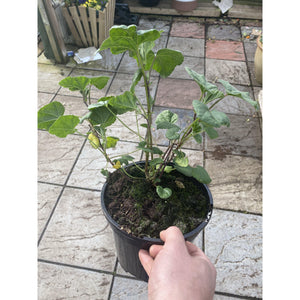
(146, 260)
(174, 239)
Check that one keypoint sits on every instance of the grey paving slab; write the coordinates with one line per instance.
(234, 72)
(195, 63)
(78, 233)
(56, 156)
(236, 182)
(87, 171)
(129, 289)
(121, 271)
(44, 98)
(59, 282)
(155, 22)
(233, 242)
(250, 49)
(198, 241)
(243, 137)
(177, 93)
(223, 32)
(187, 46)
(122, 83)
(95, 93)
(49, 76)
(47, 197)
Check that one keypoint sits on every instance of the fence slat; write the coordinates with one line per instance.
(101, 26)
(71, 26)
(84, 19)
(93, 23)
(76, 19)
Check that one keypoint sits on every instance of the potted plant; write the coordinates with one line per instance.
(184, 5)
(258, 58)
(89, 20)
(140, 198)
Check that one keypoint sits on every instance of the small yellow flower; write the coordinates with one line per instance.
(117, 165)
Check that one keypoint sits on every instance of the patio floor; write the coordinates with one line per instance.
(76, 255)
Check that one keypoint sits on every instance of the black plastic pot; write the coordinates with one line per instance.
(128, 246)
(148, 3)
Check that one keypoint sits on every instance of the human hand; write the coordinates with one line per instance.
(178, 270)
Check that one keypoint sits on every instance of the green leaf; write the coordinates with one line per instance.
(85, 117)
(143, 146)
(210, 96)
(122, 38)
(111, 141)
(147, 35)
(156, 150)
(166, 60)
(172, 133)
(104, 172)
(49, 113)
(145, 49)
(168, 169)
(221, 117)
(204, 115)
(123, 103)
(212, 118)
(187, 171)
(75, 83)
(181, 161)
(99, 82)
(199, 173)
(101, 115)
(198, 138)
(231, 90)
(163, 193)
(156, 161)
(64, 125)
(124, 160)
(149, 60)
(211, 132)
(200, 79)
(136, 78)
(166, 120)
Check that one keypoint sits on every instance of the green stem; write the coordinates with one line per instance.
(136, 133)
(217, 101)
(148, 114)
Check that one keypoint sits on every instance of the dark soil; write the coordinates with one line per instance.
(136, 207)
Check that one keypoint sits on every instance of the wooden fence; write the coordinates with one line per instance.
(88, 26)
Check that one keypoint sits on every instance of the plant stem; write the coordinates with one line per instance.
(136, 133)
(148, 114)
(217, 102)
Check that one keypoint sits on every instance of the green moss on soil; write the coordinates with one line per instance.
(136, 207)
